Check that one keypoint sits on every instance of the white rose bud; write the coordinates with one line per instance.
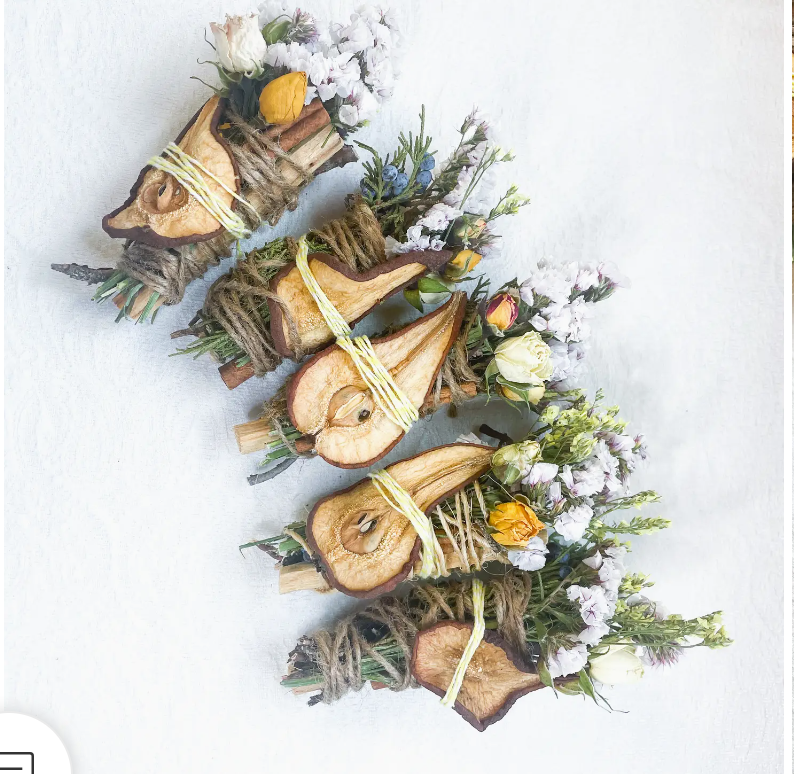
(239, 43)
(618, 666)
(348, 114)
(524, 359)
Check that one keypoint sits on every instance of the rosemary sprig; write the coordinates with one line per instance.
(211, 337)
(121, 283)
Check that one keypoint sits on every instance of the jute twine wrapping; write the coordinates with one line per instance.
(273, 412)
(338, 652)
(168, 271)
(456, 367)
(235, 300)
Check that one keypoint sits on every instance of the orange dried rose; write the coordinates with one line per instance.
(515, 524)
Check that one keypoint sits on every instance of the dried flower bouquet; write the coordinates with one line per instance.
(566, 615)
(289, 95)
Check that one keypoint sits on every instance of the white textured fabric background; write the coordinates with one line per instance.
(647, 133)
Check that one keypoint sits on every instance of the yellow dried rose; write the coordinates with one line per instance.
(515, 524)
(462, 264)
(281, 101)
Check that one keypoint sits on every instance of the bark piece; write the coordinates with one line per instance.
(495, 678)
(160, 211)
(365, 546)
(82, 273)
(346, 155)
(328, 400)
(354, 295)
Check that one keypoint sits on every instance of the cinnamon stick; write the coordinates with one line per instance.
(234, 375)
(277, 130)
(308, 122)
(470, 388)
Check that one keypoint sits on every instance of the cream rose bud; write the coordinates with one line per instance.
(517, 453)
(511, 462)
(239, 43)
(618, 666)
(525, 359)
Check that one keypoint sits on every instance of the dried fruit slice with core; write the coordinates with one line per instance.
(495, 677)
(322, 391)
(160, 211)
(353, 294)
(366, 546)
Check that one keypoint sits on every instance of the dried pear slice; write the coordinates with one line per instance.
(495, 678)
(353, 294)
(159, 211)
(365, 546)
(329, 380)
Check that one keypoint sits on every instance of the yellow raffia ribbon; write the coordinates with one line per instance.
(433, 564)
(188, 171)
(477, 633)
(391, 399)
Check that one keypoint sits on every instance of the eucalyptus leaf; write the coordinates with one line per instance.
(413, 297)
(434, 285)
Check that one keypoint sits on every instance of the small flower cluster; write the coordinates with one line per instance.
(551, 306)
(557, 488)
(350, 67)
(462, 196)
(425, 206)
(536, 330)
(560, 298)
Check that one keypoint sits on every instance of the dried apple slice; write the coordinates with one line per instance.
(353, 294)
(365, 546)
(495, 678)
(159, 211)
(323, 393)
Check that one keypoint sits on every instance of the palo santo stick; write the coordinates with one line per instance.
(256, 435)
(376, 686)
(312, 154)
(303, 576)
